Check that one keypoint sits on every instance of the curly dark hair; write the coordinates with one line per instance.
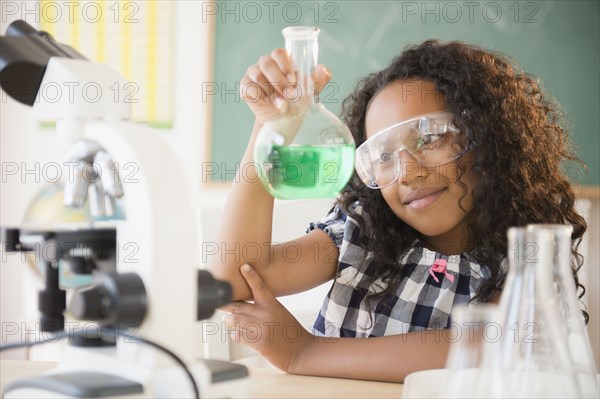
(517, 159)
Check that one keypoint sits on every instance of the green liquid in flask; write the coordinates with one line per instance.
(308, 171)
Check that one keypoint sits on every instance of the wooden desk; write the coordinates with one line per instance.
(264, 382)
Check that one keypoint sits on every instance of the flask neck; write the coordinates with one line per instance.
(301, 43)
(560, 247)
(530, 264)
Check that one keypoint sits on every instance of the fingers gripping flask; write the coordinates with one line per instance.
(306, 151)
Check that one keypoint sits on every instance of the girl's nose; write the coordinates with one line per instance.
(410, 169)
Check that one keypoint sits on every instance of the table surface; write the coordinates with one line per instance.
(264, 382)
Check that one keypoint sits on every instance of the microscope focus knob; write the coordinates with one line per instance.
(89, 304)
(113, 300)
(212, 293)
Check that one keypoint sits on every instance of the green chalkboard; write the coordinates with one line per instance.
(557, 41)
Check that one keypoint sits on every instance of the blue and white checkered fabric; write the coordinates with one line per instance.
(419, 303)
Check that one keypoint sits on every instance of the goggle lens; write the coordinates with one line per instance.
(431, 140)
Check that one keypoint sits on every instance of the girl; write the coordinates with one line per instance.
(456, 145)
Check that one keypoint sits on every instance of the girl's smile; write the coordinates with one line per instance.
(422, 198)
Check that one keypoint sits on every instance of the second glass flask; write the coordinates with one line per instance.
(306, 151)
(534, 357)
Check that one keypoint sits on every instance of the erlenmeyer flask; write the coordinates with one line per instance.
(565, 298)
(473, 368)
(534, 358)
(306, 151)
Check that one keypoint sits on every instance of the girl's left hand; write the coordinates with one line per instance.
(266, 325)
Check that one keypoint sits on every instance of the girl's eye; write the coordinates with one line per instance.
(386, 156)
(430, 138)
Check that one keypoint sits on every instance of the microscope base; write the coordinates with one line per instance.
(75, 385)
(85, 373)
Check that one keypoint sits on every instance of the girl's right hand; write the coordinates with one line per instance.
(263, 85)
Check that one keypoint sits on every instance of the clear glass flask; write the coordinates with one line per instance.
(567, 303)
(306, 151)
(534, 358)
(472, 364)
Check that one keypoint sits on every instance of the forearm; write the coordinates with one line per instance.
(388, 358)
(247, 220)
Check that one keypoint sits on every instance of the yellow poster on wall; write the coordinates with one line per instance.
(134, 37)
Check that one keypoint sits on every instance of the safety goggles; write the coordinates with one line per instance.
(431, 140)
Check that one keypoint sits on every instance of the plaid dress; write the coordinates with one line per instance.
(424, 299)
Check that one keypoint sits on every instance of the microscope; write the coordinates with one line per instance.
(159, 294)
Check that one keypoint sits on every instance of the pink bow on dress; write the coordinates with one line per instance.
(439, 266)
